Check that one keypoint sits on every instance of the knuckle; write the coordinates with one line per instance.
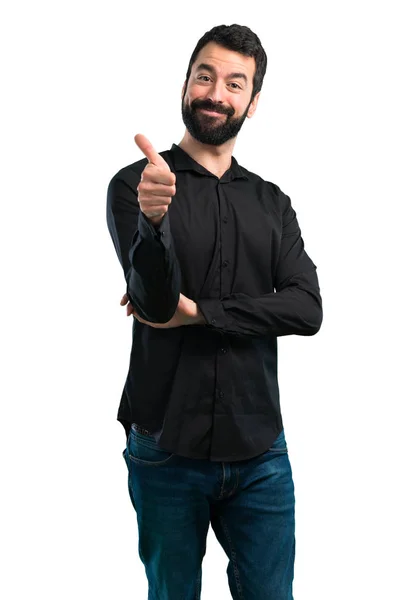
(144, 186)
(146, 173)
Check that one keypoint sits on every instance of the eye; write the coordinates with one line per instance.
(204, 77)
(235, 86)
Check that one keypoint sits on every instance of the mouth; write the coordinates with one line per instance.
(211, 113)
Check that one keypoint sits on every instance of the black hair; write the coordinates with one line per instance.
(238, 38)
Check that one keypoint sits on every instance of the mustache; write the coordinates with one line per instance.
(209, 105)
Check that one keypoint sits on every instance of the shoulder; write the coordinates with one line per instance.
(130, 174)
(266, 188)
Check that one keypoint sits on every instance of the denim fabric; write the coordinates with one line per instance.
(250, 505)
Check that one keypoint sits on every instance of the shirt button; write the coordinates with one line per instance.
(221, 394)
(213, 321)
(225, 219)
(223, 350)
(225, 263)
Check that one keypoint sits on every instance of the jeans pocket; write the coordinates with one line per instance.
(143, 450)
(279, 444)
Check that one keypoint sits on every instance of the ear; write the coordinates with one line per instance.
(183, 89)
(253, 105)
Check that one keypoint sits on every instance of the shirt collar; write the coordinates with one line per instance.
(183, 162)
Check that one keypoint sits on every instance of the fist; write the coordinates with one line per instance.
(157, 185)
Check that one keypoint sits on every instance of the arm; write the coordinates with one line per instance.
(187, 313)
(145, 252)
(295, 307)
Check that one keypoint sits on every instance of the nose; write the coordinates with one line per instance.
(216, 91)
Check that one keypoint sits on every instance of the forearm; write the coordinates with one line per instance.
(154, 278)
(297, 309)
(146, 254)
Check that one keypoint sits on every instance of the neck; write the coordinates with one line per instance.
(216, 159)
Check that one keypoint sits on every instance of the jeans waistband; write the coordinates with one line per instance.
(140, 429)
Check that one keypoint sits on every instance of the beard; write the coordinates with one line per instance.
(208, 129)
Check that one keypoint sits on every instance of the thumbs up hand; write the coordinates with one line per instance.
(157, 185)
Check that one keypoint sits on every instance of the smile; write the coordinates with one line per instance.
(211, 112)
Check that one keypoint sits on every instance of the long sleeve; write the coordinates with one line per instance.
(146, 254)
(294, 308)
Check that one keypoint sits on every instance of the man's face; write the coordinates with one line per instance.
(218, 95)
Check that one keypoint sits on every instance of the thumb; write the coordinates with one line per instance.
(149, 151)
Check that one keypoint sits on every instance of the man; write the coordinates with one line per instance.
(216, 270)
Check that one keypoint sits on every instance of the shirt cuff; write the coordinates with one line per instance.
(213, 312)
(161, 232)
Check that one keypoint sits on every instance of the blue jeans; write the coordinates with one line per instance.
(250, 505)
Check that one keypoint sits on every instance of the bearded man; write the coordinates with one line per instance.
(216, 270)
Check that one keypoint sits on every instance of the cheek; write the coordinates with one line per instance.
(187, 96)
(195, 91)
(241, 110)
(190, 97)
(193, 94)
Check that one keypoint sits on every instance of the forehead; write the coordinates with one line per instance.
(224, 60)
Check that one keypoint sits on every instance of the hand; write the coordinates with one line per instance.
(157, 185)
(129, 308)
(187, 313)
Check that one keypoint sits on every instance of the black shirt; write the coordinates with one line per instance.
(234, 246)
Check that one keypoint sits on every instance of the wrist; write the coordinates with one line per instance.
(156, 219)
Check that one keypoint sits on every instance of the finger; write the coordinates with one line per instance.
(149, 151)
(157, 174)
(124, 300)
(158, 189)
(147, 200)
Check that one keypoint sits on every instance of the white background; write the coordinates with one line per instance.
(80, 80)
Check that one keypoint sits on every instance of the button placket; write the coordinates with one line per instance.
(224, 246)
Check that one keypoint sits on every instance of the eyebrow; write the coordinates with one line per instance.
(210, 68)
